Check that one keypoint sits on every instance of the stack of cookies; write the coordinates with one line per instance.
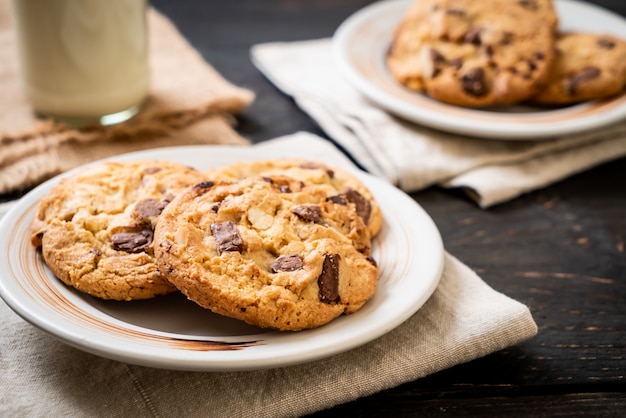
(496, 52)
(283, 244)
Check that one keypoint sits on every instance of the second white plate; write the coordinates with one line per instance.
(361, 43)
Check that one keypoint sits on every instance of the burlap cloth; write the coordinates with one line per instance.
(189, 103)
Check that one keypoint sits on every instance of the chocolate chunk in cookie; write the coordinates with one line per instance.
(328, 281)
(287, 263)
(132, 242)
(309, 213)
(149, 207)
(95, 228)
(227, 237)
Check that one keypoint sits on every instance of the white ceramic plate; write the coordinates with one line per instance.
(171, 332)
(360, 45)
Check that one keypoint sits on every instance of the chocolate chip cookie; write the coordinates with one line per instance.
(339, 186)
(588, 67)
(475, 53)
(95, 228)
(266, 250)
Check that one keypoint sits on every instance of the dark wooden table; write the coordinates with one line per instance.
(560, 250)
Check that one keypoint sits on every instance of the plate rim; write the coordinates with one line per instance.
(466, 121)
(184, 359)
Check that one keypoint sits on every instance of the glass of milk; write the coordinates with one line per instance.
(83, 61)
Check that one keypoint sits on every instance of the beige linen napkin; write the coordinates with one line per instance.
(415, 157)
(189, 103)
(464, 319)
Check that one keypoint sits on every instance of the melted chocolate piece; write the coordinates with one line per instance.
(605, 43)
(472, 36)
(203, 187)
(309, 213)
(132, 242)
(529, 4)
(362, 205)
(215, 207)
(338, 199)
(328, 281)
(227, 237)
(149, 207)
(372, 260)
(282, 185)
(586, 74)
(507, 38)
(489, 53)
(286, 263)
(436, 56)
(437, 60)
(473, 82)
(455, 12)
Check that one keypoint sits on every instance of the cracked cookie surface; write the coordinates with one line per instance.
(475, 53)
(95, 228)
(266, 250)
(336, 183)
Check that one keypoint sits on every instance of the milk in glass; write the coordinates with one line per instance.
(83, 60)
